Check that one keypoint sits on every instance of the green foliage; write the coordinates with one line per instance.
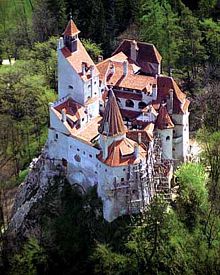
(108, 262)
(31, 259)
(192, 195)
(93, 49)
(24, 97)
(154, 17)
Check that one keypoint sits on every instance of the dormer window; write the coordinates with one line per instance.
(129, 103)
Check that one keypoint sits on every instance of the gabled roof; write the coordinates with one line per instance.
(163, 119)
(76, 58)
(71, 29)
(121, 153)
(115, 76)
(146, 52)
(112, 122)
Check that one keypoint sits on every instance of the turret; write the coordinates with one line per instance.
(70, 36)
(112, 126)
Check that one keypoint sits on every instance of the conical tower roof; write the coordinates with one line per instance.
(164, 120)
(71, 29)
(112, 122)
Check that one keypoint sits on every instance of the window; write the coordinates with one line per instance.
(122, 179)
(56, 136)
(167, 138)
(142, 105)
(90, 155)
(129, 103)
(84, 152)
(70, 87)
(78, 149)
(83, 119)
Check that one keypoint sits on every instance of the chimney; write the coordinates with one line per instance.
(92, 68)
(100, 58)
(170, 102)
(83, 68)
(125, 67)
(136, 150)
(134, 50)
(63, 112)
(139, 138)
(106, 127)
(60, 43)
(170, 71)
(104, 148)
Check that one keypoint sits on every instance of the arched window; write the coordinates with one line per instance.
(142, 105)
(129, 103)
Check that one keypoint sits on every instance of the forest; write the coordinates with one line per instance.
(180, 237)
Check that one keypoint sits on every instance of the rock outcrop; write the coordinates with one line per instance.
(31, 193)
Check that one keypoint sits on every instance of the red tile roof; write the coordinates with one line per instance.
(71, 29)
(117, 78)
(124, 94)
(112, 118)
(74, 110)
(163, 119)
(76, 58)
(146, 52)
(121, 153)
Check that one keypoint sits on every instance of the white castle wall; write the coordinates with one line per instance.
(166, 136)
(67, 77)
(181, 136)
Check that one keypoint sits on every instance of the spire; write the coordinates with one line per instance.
(112, 122)
(163, 119)
(71, 29)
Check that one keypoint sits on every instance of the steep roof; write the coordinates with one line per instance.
(76, 58)
(163, 119)
(118, 79)
(71, 29)
(121, 153)
(146, 52)
(112, 122)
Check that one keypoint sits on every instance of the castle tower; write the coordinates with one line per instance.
(112, 127)
(165, 129)
(70, 36)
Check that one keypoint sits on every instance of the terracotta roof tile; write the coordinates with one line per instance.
(112, 123)
(163, 119)
(76, 58)
(117, 78)
(146, 52)
(71, 29)
(121, 153)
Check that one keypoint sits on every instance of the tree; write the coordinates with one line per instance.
(192, 52)
(31, 261)
(159, 25)
(192, 195)
(210, 143)
(93, 49)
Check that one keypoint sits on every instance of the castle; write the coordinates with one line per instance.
(119, 124)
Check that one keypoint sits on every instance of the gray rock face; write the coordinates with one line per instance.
(31, 192)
